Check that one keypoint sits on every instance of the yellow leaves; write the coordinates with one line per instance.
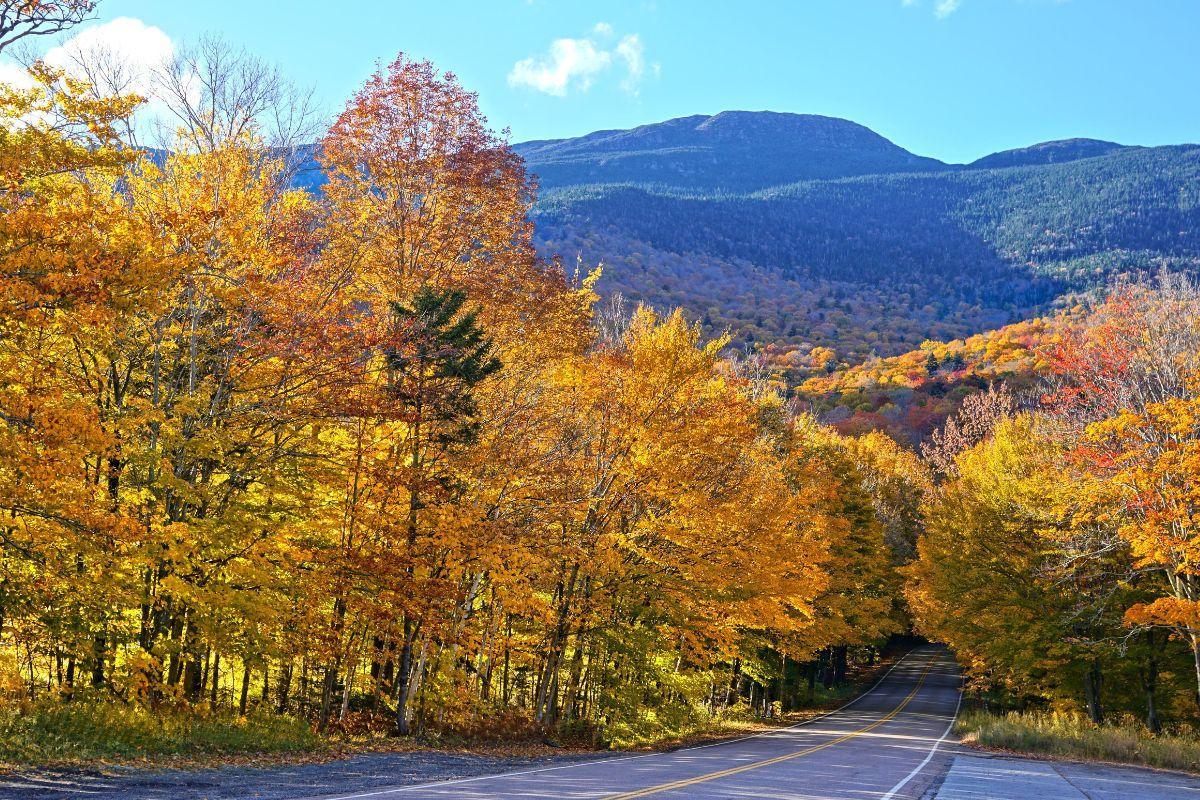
(984, 581)
(1150, 461)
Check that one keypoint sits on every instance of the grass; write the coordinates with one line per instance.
(95, 731)
(92, 731)
(1069, 735)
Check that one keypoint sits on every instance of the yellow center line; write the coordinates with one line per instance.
(664, 787)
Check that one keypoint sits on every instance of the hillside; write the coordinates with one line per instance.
(864, 264)
(911, 394)
(732, 151)
(1056, 152)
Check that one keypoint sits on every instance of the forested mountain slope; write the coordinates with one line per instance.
(868, 264)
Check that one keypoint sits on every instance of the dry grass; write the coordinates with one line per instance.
(1074, 736)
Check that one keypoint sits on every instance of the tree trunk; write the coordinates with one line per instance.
(327, 688)
(1195, 641)
(99, 656)
(285, 686)
(243, 702)
(349, 685)
(216, 677)
(734, 679)
(1150, 686)
(409, 691)
(784, 702)
(546, 698)
(1093, 684)
(175, 663)
(840, 664)
(191, 664)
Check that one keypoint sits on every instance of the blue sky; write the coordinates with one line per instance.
(953, 79)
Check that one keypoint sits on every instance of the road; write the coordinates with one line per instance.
(890, 744)
(879, 746)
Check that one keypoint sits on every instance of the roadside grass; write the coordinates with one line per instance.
(1071, 735)
(102, 730)
(96, 731)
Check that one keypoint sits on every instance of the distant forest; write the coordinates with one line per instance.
(874, 265)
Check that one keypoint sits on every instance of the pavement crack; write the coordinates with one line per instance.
(1070, 782)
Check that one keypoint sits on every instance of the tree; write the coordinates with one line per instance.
(277, 424)
(859, 606)
(898, 483)
(983, 581)
(971, 424)
(1151, 461)
(439, 357)
(22, 18)
(1125, 384)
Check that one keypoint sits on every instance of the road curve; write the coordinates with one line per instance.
(877, 747)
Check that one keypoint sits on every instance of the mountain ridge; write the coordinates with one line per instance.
(600, 157)
(867, 263)
(728, 151)
(1055, 151)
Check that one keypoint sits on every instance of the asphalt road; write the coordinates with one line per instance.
(890, 744)
(886, 745)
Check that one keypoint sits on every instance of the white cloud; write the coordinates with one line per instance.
(14, 74)
(117, 57)
(125, 45)
(941, 8)
(119, 54)
(945, 8)
(630, 51)
(575, 64)
(570, 63)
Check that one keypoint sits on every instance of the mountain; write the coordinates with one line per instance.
(1056, 152)
(768, 226)
(732, 151)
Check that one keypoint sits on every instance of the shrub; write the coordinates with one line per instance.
(89, 730)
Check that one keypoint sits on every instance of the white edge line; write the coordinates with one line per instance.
(904, 781)
(412, 788)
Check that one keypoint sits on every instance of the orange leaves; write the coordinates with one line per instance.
(421, 192)
(1169, 612)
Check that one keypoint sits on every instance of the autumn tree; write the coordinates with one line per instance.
(1126, 384)
(441, 356)
(970, 424)
(23, 18)
(988, 582)
(276, 423)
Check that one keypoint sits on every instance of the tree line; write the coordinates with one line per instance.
(1059, 557)
(361, 455)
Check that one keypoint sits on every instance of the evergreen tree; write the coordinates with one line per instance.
(438, 358)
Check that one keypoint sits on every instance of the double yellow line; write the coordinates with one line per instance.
(725, 773)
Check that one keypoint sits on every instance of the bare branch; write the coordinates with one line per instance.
(22, 18)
